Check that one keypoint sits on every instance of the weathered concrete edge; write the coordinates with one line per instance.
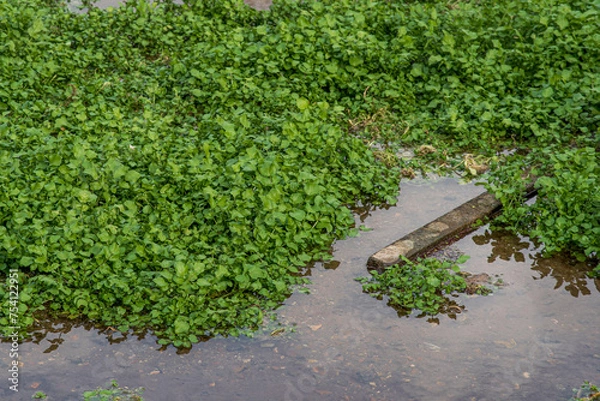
(458, 221)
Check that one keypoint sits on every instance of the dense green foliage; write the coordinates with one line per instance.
(140, 189)
(423, 285)
(566, 213)
(173, 166)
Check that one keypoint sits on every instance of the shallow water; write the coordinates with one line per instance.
(534, 339)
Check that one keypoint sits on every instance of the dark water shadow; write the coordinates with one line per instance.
(52, 330)
(364, 210)
(567, 271)
(449, 309)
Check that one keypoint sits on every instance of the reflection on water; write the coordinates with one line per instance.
(527, 341)
(53, 330)
(504, 245)
(450, 310)
(565, 270)
(331, 265)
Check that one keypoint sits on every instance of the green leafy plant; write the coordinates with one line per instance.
(39, 395)
(566, 213)
(423, 285)
(114, 393)
(587, 392)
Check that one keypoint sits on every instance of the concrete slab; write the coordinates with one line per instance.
(452, 225)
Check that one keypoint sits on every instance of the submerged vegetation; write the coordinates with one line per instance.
(173, 167)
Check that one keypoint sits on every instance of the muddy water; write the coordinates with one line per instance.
(534, 339)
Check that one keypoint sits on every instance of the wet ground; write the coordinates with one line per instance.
(534, 339)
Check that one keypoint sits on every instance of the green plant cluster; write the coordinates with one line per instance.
(423, 285)
(173, 166)
(114, 393)
(587, 392)
(566, 213)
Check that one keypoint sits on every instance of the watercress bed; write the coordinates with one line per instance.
(136, 194)
(172, 166)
